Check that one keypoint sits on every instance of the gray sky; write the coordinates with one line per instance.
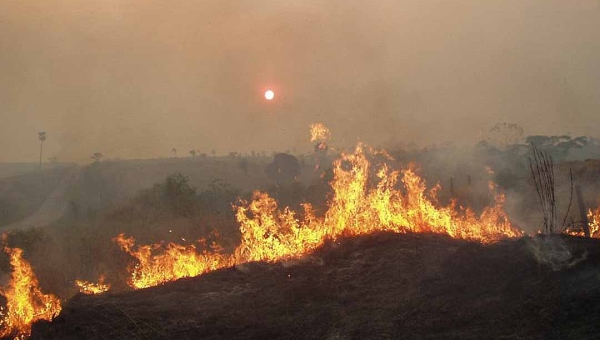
(134, 78)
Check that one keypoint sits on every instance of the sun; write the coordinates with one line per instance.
(269, 95)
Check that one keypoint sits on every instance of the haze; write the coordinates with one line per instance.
(134, 79)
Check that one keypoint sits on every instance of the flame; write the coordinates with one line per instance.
(25, 301)
(593, 222)
(91, 288)
(319, 132)
(159, 263)
(269, 233)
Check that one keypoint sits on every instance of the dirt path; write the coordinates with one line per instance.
(55, 206)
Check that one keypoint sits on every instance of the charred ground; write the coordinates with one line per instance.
(382, 286)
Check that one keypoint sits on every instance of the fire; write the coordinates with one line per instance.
(318, 132)
(159, 263)
(25, 301)
(357, 207)
(593, 222)
(91, 288)
(270, 235)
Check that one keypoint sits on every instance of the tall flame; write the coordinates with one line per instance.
(269, 233)
(25, 302)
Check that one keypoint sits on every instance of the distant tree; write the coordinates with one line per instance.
(174, 194)
(174, 152)
(283, 168)
(502, 135)
(42, 138)
(97, 157)
(233, 154)
(193, 153)
(213, 152)
(243, 165)
(558, 147)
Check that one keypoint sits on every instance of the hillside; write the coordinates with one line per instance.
(382, 286)
(109, 183)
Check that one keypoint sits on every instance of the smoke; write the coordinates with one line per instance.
(133, 79)
(554, 253)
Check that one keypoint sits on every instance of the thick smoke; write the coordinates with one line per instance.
(134, 79)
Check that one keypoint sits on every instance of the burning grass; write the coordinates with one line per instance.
(593, 217)
(91, 288)
(25, 302)
(272, 234)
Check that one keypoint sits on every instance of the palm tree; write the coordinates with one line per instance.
(42, 138)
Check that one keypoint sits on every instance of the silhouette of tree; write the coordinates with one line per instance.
(97, 157)
(243, 165)
(283, 168)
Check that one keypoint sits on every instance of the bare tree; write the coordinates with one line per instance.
(42, 138)
(542, 172)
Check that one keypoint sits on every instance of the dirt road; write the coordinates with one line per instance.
(55, 206)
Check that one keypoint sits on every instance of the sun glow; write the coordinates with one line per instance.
(269, 95)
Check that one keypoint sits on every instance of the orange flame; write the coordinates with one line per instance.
(271, 234)
(25, 301)
(593, 222)
(319, 132)
(91, 288)
(159, 263)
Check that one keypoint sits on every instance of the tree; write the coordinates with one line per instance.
(174, 152)
(283, 168)
(96, 157)
(193, 152)
(243, 165)
(42, 138)
(174, 194)
(502, 135)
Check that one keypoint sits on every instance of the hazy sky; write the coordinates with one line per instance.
(135, 78)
